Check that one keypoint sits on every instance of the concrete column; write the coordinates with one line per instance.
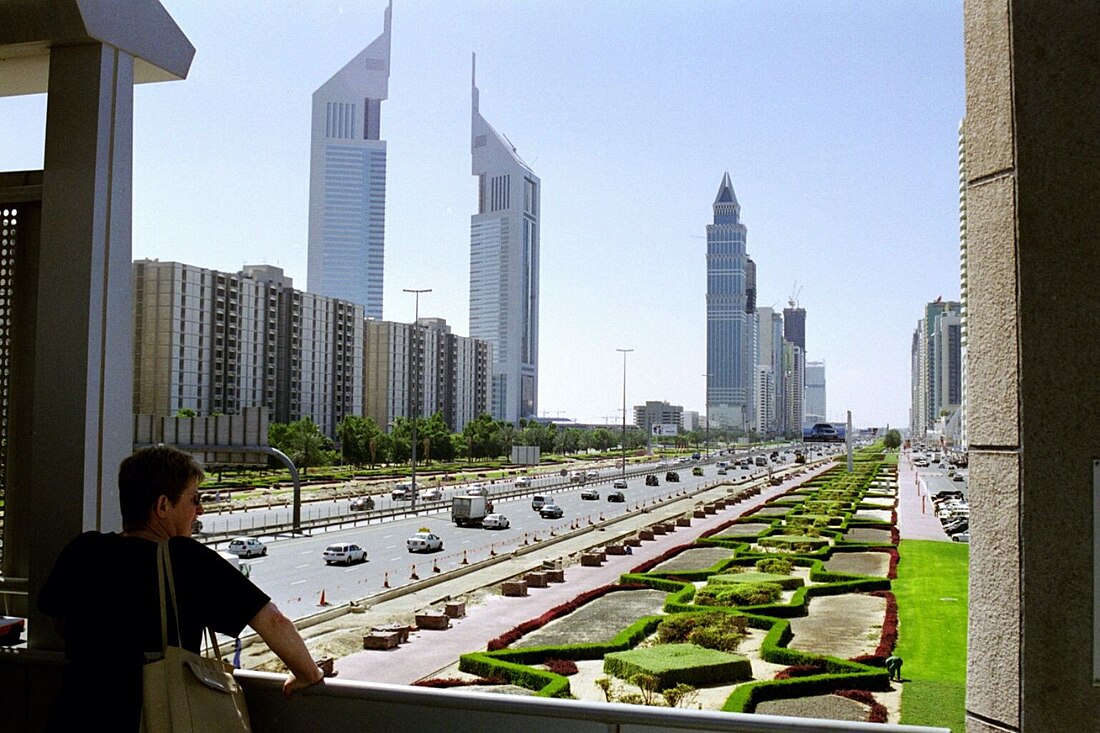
(80, 422)
(1033, 213)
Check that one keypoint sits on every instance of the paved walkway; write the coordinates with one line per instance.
(916, 513)
(429, 652)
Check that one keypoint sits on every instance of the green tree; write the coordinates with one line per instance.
(186, 412)
(302, 441)
(892, 439)
(438, 437)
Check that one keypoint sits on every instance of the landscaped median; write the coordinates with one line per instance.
(756, 592)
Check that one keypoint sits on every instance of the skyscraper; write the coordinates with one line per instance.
(347, 180)
(815, 392)
(504, 267)
(730, 332)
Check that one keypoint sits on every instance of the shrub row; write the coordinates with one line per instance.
(674, 664)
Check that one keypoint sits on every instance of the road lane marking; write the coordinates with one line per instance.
(390, 547)
(297, 582)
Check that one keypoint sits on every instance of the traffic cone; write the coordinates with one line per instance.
(386, 580)
(435, 566)
(492, 551)
(322, 602)
(414, 576)
(525, 539)
(464, 560)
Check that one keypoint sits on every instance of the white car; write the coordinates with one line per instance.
(424, 542)
(523, 482)
(403, 491)
(247, 547)
(619, 483)
(345, 552)
(432, 494)
(476, 490)
(495, 521)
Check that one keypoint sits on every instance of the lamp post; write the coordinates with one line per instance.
(624, 352)
(706, 414)
(414, 373)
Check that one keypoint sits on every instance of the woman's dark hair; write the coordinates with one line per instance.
(147, 475)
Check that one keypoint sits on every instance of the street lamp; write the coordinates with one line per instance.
(624, 352)
(706, 413)
(416, 382)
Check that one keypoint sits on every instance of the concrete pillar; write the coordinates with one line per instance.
(80, 424)
(1033, 213)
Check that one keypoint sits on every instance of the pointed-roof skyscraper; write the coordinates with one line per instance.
(504, 266)
(347, 179)
(730, 321)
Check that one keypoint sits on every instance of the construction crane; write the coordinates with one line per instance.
(796, 290)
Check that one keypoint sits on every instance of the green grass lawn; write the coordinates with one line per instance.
(931, 590)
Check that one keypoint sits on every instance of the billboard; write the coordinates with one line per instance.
(824, 432)
(664, 430)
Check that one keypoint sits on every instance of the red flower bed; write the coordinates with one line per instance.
(889, 637)
(800, 670)
(564, 667)
(878, 713)
(556, 612)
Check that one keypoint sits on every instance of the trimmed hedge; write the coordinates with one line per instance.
(673, 664)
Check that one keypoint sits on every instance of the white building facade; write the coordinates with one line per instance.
(504, 268)
(815, 393)
(347, 180)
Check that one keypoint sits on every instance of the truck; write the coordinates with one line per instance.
(470, 510)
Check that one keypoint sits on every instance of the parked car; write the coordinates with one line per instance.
(523, 482)
(361, 504)
(538, 500)
(551, 511)
(345, 552)
(617, 496)
(424, 542)
(958, 477)
(495, 521)
(961, 537)
(697, 471)
(590, 494)
(672, 476)
(651, 480)
(619, 483)
(247, 547)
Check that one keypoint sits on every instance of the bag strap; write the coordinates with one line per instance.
(164, 571)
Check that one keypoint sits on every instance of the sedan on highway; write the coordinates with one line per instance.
(345, 552)
(619, 483)
(551, 511)
(361, 504)
(424, 542)
(651, 480)
(247, 547)
(590, 495)
(616, 496)
(495, 521)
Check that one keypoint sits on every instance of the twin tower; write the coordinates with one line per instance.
(347, 212)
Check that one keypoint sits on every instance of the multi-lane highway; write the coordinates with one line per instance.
(294, 574)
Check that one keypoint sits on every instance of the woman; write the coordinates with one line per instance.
(102, 595)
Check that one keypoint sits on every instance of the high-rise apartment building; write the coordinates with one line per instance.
(347, 180)
(769, 355)
(504, 267)
(218, 342)
(794, 377)
(730, 321)
(452, 373)
(815, 392)
(937, 365)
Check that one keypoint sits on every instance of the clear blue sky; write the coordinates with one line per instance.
(837, 122)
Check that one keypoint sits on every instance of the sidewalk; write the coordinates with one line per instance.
(916, 513)
(429, 652)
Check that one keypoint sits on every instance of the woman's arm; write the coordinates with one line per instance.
(283, 638)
